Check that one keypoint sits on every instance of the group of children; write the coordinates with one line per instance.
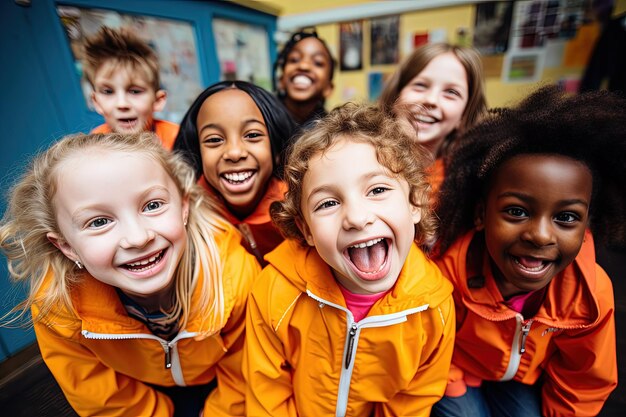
(417, 255)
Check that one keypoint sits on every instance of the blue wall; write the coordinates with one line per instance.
(42, 98)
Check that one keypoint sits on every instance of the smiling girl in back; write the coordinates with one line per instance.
(439, 90)
(234, 135)
(535, 313)
(304, 73)
(137, 287)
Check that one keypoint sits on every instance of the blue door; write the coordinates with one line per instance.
(42, 99)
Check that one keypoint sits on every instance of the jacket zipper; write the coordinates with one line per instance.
(352, 337)
(172, 360)
(518, 346)
(525, 331)
(350, 344)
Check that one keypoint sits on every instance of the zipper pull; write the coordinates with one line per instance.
(350, 344)
(168, 357)
(525, 331)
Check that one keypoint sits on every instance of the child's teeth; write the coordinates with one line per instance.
(152, 259)
(368, 243)
(238, 176)
(302, 80)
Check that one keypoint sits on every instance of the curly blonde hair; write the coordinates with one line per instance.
(31, 216)
(396, 150)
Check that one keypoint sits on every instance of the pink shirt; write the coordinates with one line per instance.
(360, 304)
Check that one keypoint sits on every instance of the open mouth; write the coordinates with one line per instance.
(302, 81)
(422, 118)
(237, 178)
(530, 264)
(146, 263)
(369, 258)
(127, 123)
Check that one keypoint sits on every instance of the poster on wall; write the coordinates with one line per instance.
(351, 46)
(537, 21)
(384, 35)
(526, 66)
(243, 52)
(492, 27)
(173, 41)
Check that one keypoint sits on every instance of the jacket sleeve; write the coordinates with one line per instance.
(269, 389)
(228, 399)
(430, 381)
(583, 370)
(91, 387)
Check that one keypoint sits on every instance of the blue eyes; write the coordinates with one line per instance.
(153, 205)
(99, 222)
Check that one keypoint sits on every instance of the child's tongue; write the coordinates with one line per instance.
(529, 262)
(369, 259)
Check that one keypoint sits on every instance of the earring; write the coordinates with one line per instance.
(78, 264)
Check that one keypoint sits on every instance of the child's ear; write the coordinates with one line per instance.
(416, 214)
(479, 216)
(62, 245)
(96, 105)
(161, 99)
(304, 229)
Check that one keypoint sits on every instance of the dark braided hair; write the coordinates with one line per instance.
(279, 64)
(589, 127)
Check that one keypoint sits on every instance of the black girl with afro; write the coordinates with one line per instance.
(589, 127)
(531, 193)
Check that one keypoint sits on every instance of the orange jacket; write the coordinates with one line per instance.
(570, 342)
(306, 356)
(166, 131)
(105, 360)
(261, 237)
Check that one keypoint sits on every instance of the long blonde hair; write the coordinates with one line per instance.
(30, 216)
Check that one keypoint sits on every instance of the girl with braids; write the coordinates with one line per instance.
(137, 288)
(525, 192)
(234, 135)
(303, 76)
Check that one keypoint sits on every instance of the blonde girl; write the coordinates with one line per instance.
(137, 289)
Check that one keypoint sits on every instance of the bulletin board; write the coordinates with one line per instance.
(174, 42)
(243, 52)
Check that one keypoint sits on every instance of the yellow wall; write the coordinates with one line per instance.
(352, 85)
